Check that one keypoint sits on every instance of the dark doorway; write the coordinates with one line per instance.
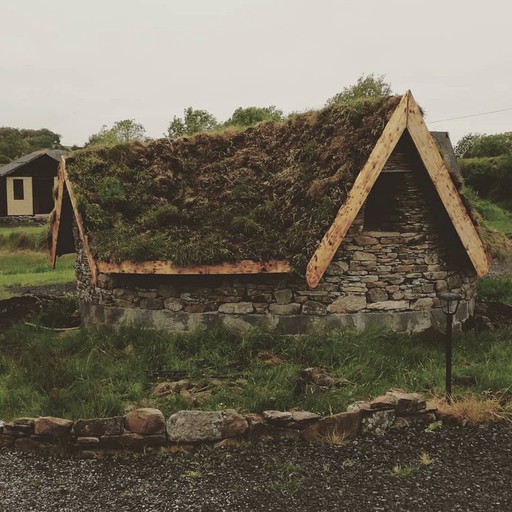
(43, 195)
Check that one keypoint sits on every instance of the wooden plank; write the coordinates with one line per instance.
(443, 183)
(81, 230)
(166, 267)
(358, 194)
(55, 222)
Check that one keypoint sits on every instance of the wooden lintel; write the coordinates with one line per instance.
(440, 176)
(166, 267)
(74, 203)
(57, 211)
(358, 194)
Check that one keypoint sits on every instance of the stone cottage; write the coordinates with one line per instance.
(348, 217)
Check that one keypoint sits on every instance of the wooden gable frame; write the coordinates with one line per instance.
(407, 116)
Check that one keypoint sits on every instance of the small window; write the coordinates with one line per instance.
(19, 192)
(381, 211)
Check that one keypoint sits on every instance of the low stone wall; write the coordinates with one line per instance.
(24, 220)
(147, 428)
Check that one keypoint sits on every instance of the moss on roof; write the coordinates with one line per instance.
(269, 192)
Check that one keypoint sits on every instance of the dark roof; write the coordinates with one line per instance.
(15, 165)
(444, 144)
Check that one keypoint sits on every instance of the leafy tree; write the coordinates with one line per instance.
(475, 145)
(4, 159)
(251, 115)
(193, 121)
(127, 130)
(367, 86)
(15, 142)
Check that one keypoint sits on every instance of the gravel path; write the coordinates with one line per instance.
(471, 470)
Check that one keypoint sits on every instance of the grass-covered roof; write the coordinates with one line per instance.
(269, 192)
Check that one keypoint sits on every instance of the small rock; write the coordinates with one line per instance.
(407, 403)
(377, 422)
(227, 443)
(334, 429)
(236, 308)
(348, 304)
(383, 402)
(277, 416)
(145, 421)
(283, 296)
(358, 406)
(98, 427)
(31, 445)
(54, 427)
(87, 441)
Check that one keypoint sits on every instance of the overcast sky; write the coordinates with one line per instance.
(73, 66)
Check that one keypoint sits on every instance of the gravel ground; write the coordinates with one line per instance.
(471, 470)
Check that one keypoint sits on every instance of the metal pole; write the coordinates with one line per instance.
(449, 324)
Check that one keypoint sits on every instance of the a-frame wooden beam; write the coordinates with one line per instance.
(408, 117)
(358, 194)
(79, 222)
(443, 183)
(55, 218)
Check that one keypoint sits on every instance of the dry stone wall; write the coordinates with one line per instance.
(147, 428)
(389, 278)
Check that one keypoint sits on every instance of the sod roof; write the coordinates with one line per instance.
(269, 192)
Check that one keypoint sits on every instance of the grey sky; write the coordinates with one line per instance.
(73, 66)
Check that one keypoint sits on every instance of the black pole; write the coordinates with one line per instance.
(449, 324)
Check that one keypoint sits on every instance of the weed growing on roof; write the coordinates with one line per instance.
(269, 192)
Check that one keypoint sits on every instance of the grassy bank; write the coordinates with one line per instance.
(91, 373)
(24, 260)
(495, 289)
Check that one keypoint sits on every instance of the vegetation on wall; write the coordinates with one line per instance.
(367, 86)
(269, 192)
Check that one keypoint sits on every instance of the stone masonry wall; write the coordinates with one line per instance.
(376, 277)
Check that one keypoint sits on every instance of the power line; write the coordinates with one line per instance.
(470, 115)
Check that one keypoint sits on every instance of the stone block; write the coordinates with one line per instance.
(377, 295)
(333, 429)
(236, 308)
(284, 309)
(423, 304)
(348, 304)
(365, 240)
(377, 422)
(407, 403)
(364, 256)
(54, 427)
(145, 421)
(204, 426)
(388, 305)
(174, 304)
(313, 308)
(277, 417)
(98, 427)
(283, 296)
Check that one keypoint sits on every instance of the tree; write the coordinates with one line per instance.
(369, 86)
(251, 115)
(193, 121)
(127, 130)
(15, 142)
(475, 145)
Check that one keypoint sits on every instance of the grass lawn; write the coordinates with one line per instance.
(24, 260)
(91, 373)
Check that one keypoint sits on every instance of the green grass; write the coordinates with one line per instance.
(30, 268)
(22, 238)
(91, 373)
(495, 216)
(495, 289)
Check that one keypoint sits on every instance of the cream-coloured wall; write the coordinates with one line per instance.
(23, 206)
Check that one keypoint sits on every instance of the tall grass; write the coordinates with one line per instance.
(25, 238)
(495, 289)
(89, 373)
